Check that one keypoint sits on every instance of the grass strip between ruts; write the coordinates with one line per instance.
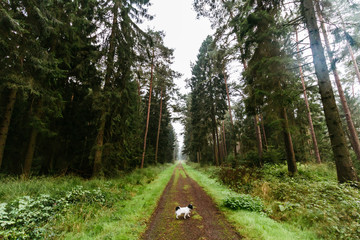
(251, 225)
(127, 219)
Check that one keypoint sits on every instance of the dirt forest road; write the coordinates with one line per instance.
(206, 221)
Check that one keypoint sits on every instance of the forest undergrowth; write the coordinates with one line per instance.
(73, 208)
(312, 200)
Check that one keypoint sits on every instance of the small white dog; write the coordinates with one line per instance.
(183, 210)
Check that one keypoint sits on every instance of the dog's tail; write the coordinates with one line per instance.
(177, 208)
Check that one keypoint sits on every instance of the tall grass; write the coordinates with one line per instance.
(73, 208)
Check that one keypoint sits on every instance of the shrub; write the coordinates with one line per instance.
(244, 202)
(25, 217)
(239, 179)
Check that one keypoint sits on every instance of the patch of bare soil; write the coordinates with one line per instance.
(206, 221)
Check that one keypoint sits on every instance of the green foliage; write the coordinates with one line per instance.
(24, 218)
(312, 199)
(252, 225)
(206, 105)
(244, 202)
(50, 207)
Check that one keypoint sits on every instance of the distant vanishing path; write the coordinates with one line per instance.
(206, 221)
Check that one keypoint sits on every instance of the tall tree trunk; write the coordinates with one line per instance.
(311, 126)
(257, 127)
(344, 166)
(109, 72)
(30, 153)
(4, 128)
(218, 144)
(99, 146)
(263, 131)
(32, 144)
(214, 148)
(353, 58)
(158, 133)
(148, 112)
(214, 134)
(258, 139)
(229, 104)
(354, 139)
(224, 138)
(290, 154)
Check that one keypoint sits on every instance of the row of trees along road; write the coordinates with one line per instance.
(278, 112)
(74, 85)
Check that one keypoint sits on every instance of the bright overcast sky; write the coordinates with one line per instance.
(184, 33)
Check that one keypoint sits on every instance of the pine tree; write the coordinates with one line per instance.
(123, 34)
(344, 166)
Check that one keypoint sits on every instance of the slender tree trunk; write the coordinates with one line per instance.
(214, 135)
(148, 112)
(353, 58)
(354, 139)
(99, 146)
(32, 144)
(214, 148)
(344, 166)
(108, 75)
(30, 153)
(218, 144)
(353, 90)
(4, 128)
(258, 139)
(158, 133)
(311, 126)
(224, 138)
(230, 113)
(263, 131)
(290, 154)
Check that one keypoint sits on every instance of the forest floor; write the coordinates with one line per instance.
(206, 221)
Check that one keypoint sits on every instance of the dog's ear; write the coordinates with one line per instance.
(190, 206)
(177, 208)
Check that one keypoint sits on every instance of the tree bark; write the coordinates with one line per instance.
(224, 138)
(258, 139)
(263, 131)
(214, 135)
(32, 144)
(344, 166)
(148, 112)
(99, 146)
(30, 153)
(311, 126)
(4, 128)
(158, 133)
(229, 104)
(290, 154)
(354, 139)
(218, 144)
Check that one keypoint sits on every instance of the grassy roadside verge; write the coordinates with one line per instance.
(127, 219)
(73, 208)
(249, 224)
